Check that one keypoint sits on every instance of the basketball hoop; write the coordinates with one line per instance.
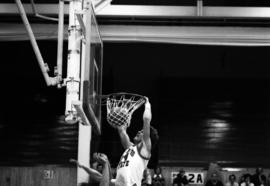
(120, 107)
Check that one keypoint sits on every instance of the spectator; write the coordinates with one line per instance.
(158, 178)
(241, 179)
(147, 178)
(214, 180)
(232, 181)
(181, 179)
(268, 180)
(259, 179)
(247, 181)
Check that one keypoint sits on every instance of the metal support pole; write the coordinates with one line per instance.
(43, 66)
(60, 41)
(41, 16)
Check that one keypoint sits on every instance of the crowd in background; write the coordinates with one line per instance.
(214, 177)
(257, 179)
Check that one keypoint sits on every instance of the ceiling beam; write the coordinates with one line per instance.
(184, 11)
(237, 36)
(149, 11)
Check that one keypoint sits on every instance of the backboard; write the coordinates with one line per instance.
(91, 71)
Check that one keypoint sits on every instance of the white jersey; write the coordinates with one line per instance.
(131, 166)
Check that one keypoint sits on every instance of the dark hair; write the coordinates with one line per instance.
(154, 137)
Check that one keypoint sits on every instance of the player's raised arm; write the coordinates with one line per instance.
(125, 140)
(147, 117)
(92, 172)
(106, 171)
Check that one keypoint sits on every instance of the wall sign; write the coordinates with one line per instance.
(193, 177)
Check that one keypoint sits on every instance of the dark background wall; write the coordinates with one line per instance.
(30, 129)
(210, 103)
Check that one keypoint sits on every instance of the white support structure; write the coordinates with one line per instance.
(74, 93)
(73, 62)
(85, 135)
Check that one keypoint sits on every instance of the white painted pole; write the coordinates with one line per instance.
(84, 146)
(75, 60)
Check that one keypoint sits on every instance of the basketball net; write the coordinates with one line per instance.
(120, 107)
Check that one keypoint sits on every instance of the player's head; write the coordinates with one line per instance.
(99, 168)
(139, 136)
(153, 136)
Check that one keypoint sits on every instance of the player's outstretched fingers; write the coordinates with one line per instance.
(73, 161)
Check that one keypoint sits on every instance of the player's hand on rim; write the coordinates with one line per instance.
(147, 103)
(146, 99)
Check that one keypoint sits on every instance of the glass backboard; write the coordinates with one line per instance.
(91, 73)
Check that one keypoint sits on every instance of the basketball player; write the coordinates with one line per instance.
(136, 156)
(103, 177)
